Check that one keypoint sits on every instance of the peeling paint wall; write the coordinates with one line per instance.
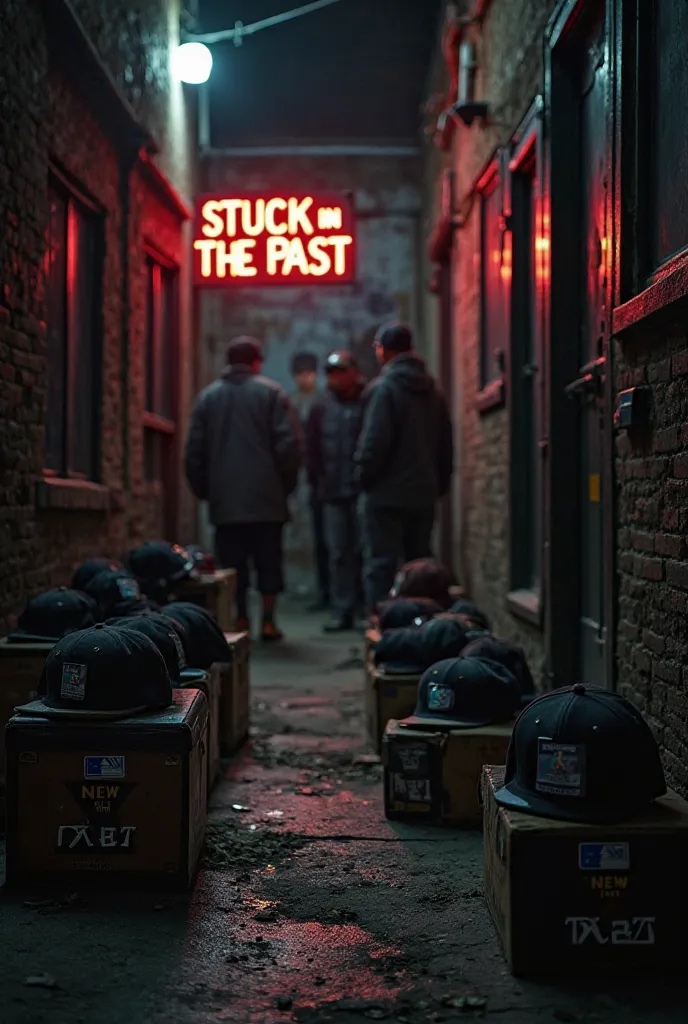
(320, 319)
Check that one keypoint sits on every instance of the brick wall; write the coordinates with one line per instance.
(510, 76)
(652, 550)
(320, 319)
(45, 117)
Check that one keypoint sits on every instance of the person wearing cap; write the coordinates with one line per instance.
(332, 434)
(243, 455)
(404, 461)
(304, 372)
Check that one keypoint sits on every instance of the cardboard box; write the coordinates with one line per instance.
(210, 686)
(114, 802)
(387, 696)
(215, 591)
(574, 899)
(235, 697)
(435, 776)
(21, 665)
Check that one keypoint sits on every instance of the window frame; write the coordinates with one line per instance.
(642, 292)
(75, 197)
(491, 394)
(526, 152)
(153, 424)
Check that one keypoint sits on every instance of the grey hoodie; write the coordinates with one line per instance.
(244, 449)
(405, 452)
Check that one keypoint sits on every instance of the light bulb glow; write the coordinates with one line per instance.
(192, 63)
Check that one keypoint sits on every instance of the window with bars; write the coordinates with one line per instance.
(529, 242)
(73, 333)
(161, 375)
(495, 270)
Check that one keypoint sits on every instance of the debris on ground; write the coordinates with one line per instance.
(227, 846)
(40, 981)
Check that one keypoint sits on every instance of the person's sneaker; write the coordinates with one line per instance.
(341, 624)
(271, 633)
(243, 625)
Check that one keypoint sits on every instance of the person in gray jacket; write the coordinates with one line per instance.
(243, 455)
(331, 438)
(404, 460)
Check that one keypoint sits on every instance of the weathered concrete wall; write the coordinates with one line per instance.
(320, 319)
(46, 116)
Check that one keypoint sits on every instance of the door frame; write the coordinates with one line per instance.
(561, 568)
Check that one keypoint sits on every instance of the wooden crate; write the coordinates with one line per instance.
(21, 665)
(432, 775)
(210, 686)
(387, 696)
(573, 899)
(235, 696)
(108, 803)
(215, 591)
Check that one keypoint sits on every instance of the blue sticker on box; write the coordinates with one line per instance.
(604, 856)
(110, 766)
(560, 768)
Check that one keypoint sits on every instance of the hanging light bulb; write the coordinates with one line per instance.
(192, 63)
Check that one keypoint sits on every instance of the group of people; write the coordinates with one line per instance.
(378, 457)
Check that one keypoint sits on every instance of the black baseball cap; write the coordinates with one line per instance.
(102, 672)
(398, 612)
(337, 361)
(471, 612)
(157, 564)
(90, 568)
(464, 693)
(582, 754)
(244, 351)
(170, 638)
(202, 560)
(424, 577)
(206, 642)
(51, 615)
(510, 655)
(395, 337)
(116, 593)
(304, 362)
(421, 646)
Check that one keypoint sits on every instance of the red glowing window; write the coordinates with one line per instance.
(257, 239)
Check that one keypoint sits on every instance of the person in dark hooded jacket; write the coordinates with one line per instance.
(404, 461)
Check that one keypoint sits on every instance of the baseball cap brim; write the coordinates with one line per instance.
(516, 799)
(39, 709)
(423, 722)
(31, 638)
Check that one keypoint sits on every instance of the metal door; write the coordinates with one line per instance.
(588, 388)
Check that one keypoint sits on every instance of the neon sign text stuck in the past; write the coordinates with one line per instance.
(255, 239)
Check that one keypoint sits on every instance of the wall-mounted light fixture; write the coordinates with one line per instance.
(192, 62)
(467, 108)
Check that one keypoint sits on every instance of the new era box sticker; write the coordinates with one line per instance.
(110, 766)
(604, 856)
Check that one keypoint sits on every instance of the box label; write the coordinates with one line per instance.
(113, 838)
(109, 767)
(638, 931)
(604, 856)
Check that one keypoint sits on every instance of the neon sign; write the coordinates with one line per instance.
(257, 239)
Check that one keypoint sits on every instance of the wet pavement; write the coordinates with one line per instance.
(309, 907)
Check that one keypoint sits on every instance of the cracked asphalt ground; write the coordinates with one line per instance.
(310, 906)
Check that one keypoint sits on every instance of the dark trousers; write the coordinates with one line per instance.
(342, 533)
(242, 545)
(322, 565)
(391, 536)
